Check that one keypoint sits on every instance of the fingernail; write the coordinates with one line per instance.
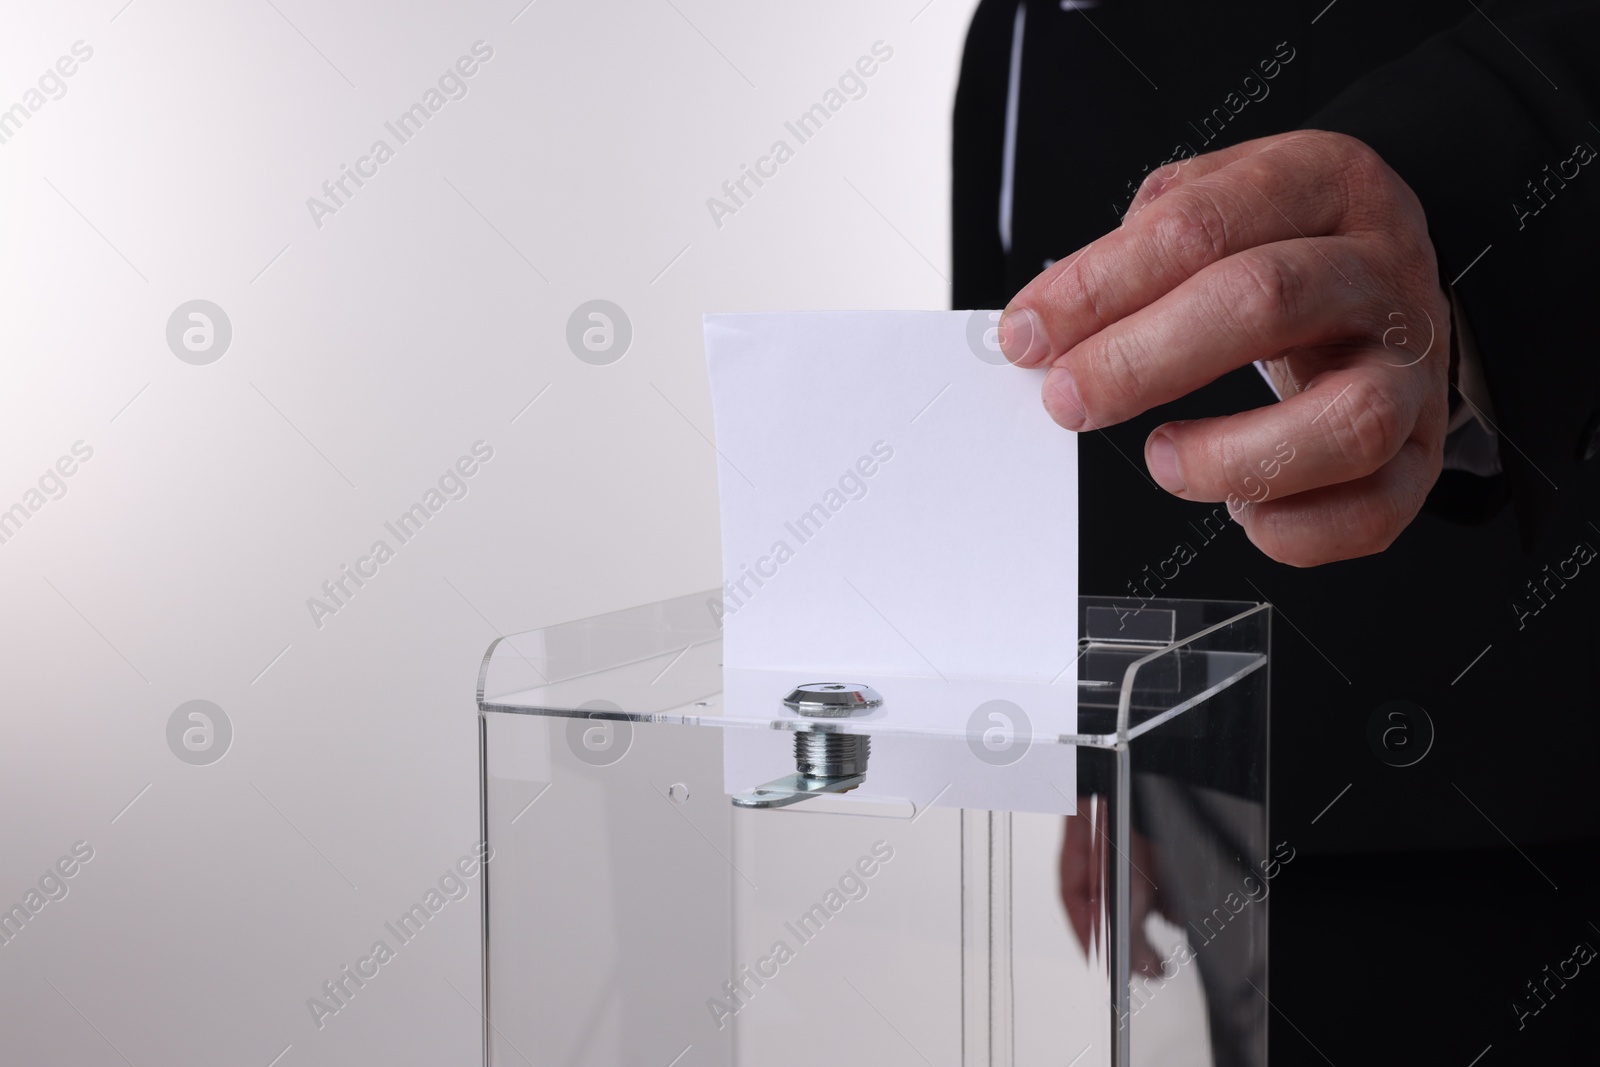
(1022, 337)
(1162, 459)
(1061, 399)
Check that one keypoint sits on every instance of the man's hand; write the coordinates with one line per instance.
(1304, 249)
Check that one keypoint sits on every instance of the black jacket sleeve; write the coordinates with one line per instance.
(1492, 124)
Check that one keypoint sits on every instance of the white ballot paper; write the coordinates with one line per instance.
(899, 510)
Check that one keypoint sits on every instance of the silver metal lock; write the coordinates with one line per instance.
(832, 700)
(826, 760)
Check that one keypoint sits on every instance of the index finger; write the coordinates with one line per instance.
(1259, 199)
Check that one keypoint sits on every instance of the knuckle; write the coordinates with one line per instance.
(1155, 183)
(1262, 289)
(1360, 163)
(1225, 455)
(1281, 540)
(1190, 229)
(1433, 462)
(1150, 188)
(1373, 523)
(1356, 528)
(1367, 425)
(1372, 190)
(1082, 284)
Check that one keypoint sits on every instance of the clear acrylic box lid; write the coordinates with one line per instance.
(1135, 663)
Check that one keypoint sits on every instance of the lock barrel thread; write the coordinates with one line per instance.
(831, 755)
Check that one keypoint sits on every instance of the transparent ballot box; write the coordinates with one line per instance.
(698, 866)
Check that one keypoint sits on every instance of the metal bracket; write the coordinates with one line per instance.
(792, 789)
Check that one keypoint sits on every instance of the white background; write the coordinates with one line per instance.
(367, 355)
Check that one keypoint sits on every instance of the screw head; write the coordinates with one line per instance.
(832, 700)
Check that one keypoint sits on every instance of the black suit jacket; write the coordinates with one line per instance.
(1484, 612)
